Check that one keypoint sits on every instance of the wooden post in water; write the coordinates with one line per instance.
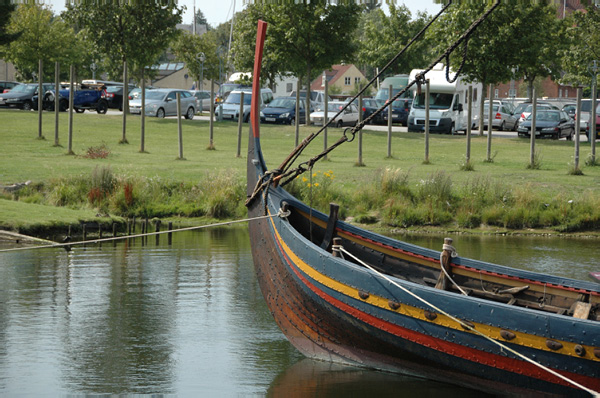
(84, 231)
(170, 234)
(157, 230)
(56, 101)
(114, 230)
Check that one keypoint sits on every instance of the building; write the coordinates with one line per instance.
(342, 78)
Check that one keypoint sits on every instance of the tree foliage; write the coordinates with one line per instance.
(6, 10)
(513, 42)
(187, 48)
(136, 32)
(302, 38)
(383, 36)
(584, 46)
(41, 36)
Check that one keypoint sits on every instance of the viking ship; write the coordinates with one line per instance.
(344, 294)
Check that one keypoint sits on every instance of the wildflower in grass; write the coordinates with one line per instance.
(304, 179)
(316, 184)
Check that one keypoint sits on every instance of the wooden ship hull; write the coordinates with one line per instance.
(514, 332)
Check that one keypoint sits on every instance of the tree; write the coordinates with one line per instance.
(201, 19)
(302, 38)
(187, 47)
(541, 37)
(384, 36)
(44, 37)
(584, 47)
(136, 32)
(6, 10)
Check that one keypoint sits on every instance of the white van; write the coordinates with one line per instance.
(447, 102)
(231, 106)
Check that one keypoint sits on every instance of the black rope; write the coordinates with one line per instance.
(284, 172)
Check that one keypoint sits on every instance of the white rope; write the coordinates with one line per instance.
(85, 242)
(467, 326)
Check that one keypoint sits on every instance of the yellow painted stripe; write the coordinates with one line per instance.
(458, 270)
(522, 339)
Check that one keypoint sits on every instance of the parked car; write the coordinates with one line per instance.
(90, 96)
(586, 109)
(21, 96)
(162, 102)
(231, 107)
(136, 92)
(503, 114)
(400, 111)
(227, 88)
(347, 118)
(587, 130)
(548, 123)
(6, 86)
(114, 97)
(570, 109)
(523, 110)
(369, 106)
(282, 110)
(202, 99)
(316, 97)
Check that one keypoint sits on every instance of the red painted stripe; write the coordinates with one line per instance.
(471, 269)
(484, 358)
(258, 54)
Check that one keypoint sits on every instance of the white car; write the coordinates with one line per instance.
(231, 107)
(347, 118)
(163, 102)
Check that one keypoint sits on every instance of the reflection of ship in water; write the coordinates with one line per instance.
(310, 378)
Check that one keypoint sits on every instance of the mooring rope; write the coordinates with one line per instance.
(281, 213)
(469, 327)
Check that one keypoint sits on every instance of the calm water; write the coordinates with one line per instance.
(189, 319)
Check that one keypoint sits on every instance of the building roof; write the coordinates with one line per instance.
(332, 75)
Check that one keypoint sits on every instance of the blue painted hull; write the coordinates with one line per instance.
(337, 310)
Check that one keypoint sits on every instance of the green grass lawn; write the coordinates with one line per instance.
(25, 157)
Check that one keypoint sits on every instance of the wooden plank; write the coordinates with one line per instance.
(582, 310)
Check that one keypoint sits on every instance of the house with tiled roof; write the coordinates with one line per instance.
(342, 77)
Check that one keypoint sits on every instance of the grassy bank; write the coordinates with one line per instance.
(107, 178)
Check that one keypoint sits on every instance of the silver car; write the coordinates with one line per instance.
(202, 99)
(163, 102)
(503, 116)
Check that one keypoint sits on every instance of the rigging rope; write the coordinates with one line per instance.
(283, 172)
(467, 326)
(281, 213)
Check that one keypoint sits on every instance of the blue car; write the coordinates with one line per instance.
(400, 111)
(282, 110)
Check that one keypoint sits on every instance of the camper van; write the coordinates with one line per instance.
(398, 82)
(447, 102)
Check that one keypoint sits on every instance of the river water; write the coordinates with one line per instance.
(141, 317)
